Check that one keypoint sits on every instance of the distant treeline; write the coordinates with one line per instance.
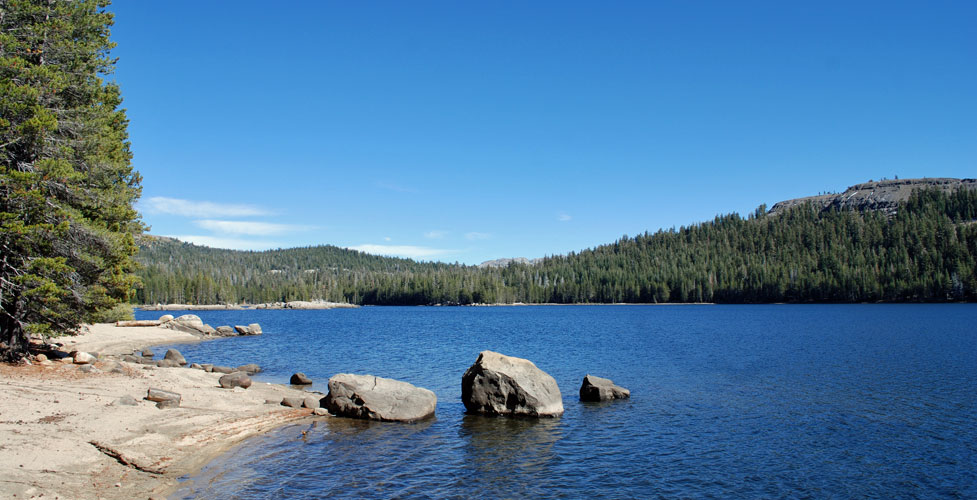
(923, 253)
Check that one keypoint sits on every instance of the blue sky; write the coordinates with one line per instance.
(464, 131)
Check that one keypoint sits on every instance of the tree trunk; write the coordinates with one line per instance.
(13, 339)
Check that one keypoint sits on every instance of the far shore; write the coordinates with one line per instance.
(66, 434)
(306, 305)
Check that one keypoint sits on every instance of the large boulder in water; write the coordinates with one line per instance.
(503, 385)
(376, 398)
(601, 389)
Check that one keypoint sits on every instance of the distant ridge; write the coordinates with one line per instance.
(882, 195)
(506, 262)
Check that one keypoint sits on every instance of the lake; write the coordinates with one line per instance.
(726, 401)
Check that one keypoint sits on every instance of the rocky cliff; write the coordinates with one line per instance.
(876, 195)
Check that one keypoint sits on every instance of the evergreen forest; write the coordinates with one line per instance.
(925, 252)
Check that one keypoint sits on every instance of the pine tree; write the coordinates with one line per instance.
(67, 186)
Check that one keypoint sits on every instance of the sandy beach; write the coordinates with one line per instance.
(65, 433)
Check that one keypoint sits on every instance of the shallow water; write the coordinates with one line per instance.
(757, 401)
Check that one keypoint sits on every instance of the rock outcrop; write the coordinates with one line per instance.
(299, 379)
(376, 398)
(504, 385)
(876, 195)
(601, 389)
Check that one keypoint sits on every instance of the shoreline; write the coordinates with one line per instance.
(65, 433)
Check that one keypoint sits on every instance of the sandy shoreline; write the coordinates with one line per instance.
(64, 434)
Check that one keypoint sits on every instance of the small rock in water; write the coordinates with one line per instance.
(299, 379)
(601, 389)
(147, 353)
(223, 369)
(226, 331)
(254, 329)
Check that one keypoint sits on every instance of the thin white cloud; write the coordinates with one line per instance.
(248, 227)
(387, 238)
(472, 236)
(409, 251)
(436, 234)
(228, 243)
(564, 217)
(190, 208)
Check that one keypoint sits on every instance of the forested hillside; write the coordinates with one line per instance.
(924, 252)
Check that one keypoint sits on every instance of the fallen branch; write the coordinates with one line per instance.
(122, 459)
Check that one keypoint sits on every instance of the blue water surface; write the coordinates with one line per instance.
(768, 401)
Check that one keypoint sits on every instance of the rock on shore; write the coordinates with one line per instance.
(504, 385)
(376, 398)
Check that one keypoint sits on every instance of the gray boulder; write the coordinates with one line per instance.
(376, 398)
(174, 355)
(503, 385)
(254, 329)
(242, 330)
(166, 318)
(299, 379)
(221, 369)
(163, 399)
(601, 389)
(311, 402)
(207, 330)
(207, 367)
(191, 320)
(226, 331)
(236, 379)
(147, 353)
(167, 363)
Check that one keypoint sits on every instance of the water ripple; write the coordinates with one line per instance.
(832, 401)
